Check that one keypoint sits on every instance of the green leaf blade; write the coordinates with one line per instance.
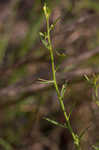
(55, 123)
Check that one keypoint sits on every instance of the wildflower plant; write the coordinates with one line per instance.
(46, 40)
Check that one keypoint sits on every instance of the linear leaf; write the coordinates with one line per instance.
(86, 77)
(54, 23)
(41, 34)
(61, 54)
(71, 110)
(63, 90)
(83, 132)
(43, 81)
(55, 122)
(44, 41)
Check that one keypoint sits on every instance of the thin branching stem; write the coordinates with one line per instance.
(54, 78)
(68, 125)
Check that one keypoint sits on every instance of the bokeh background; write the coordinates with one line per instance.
(23, 60)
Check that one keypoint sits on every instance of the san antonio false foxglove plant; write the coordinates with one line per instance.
(46, 40)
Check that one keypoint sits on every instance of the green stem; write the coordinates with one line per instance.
(77, 144)
(54, 78)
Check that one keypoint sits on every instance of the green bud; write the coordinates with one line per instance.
(47, 11)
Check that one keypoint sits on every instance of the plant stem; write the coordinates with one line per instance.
(68, 125)
(54, 78)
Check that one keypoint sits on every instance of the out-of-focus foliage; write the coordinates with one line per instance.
(24, 101)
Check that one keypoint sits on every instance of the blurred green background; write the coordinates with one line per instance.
(23, 60)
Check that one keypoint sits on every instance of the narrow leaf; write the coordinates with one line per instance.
(43, 81)
(61, 55)
(55, 123)
(90, 81)
(83, 132)
(63, 90)
(86, 77)
(71, 110)
(41, 34)
(53, 25)
(44, 41)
